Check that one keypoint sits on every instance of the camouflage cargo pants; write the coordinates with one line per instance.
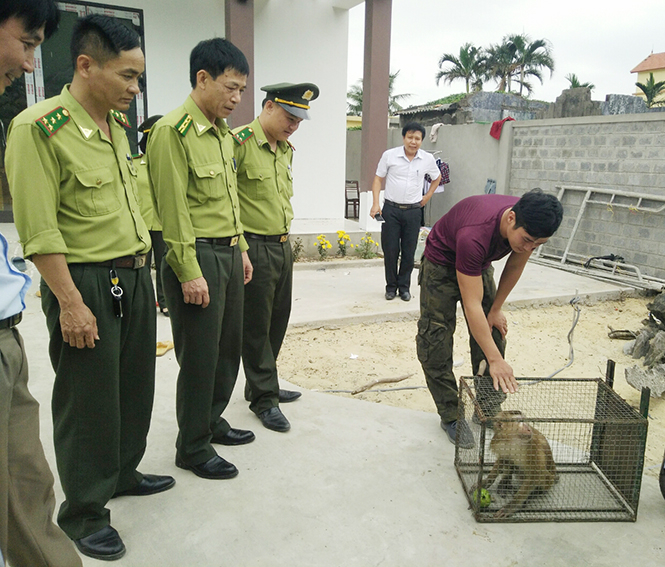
(439, 295)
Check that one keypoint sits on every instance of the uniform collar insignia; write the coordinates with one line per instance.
(86, 132)
(201, 127)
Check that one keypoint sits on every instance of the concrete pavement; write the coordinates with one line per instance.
(353, 483)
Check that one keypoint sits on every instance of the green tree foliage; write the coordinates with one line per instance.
(355, 97)
(469, 65)
(517, 59)
(531, 57)
(575, 82)
(651, 90)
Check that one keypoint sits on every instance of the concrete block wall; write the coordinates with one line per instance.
(625, 153)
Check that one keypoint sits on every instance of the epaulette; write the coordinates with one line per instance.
(121, 118)
(52, 122)
(243, 135)
(184, 124)
(291, 145)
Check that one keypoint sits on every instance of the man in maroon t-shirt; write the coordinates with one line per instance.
(457, 266)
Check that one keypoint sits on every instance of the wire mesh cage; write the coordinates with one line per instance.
(558, 450)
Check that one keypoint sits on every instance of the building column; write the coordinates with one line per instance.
(375, 88)
(239, 28)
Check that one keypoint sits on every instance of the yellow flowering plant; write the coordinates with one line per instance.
(368, 247)
(323, 245)
(343, 240)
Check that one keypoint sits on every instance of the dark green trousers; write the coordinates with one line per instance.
(266, 317)
(207, 344)
(439, 295)
(102, 396)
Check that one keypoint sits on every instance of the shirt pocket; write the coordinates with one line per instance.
(209, 182)
(96, 193)
(289, 183)
(259, 182)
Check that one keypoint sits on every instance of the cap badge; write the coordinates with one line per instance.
(308, 95)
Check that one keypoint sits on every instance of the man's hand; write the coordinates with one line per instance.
(247, 267)
(78, 325)
(498, 319)
(502, 376)
(376, 210)
(196, 292)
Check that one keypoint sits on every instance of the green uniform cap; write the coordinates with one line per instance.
(293, 98)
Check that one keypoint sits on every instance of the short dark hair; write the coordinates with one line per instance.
(414, 127)
(538, 213)
(145, 128)
(216, 56)
(33, 13)
(102, 38)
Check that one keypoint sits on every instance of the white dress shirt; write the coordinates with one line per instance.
(13, 284)
(404, 178)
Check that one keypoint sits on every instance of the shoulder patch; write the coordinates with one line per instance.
(293, 148)
(243, 135)
(121, 117)
(52, 122)
(184, 124)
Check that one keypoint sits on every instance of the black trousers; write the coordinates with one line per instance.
(208, 344)
(266, 318)
(102, 396)
(159, 248)
(399, 234)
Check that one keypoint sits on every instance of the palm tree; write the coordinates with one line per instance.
(500, 65)
(575, 82)
(518, 57)
(530, 58)
(468, 66)
(651, 90)
(355, 97)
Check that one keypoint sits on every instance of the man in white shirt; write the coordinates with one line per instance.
(403, 170)
(28, 535)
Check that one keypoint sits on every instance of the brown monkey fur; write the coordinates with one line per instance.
(523, 451)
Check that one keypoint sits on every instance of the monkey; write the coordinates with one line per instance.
(523, 451)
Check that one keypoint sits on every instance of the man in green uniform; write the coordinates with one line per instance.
(76, 210)
(148, 211)
(192, 175)
(265, 187)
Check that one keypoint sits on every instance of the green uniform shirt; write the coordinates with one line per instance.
(265, 182)
(145, 194)
(193, 177)
(74, 190)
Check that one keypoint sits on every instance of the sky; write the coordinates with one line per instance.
(599, 41)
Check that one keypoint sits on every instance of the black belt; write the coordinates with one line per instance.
(11, 322)
(227, 241)
(268, 237)
(403, 207)
(133, 262)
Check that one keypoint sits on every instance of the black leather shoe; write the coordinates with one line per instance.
(104, 544)
(214, 468)
(235, 437)
(405, 296)
(286, 396)
(391, 295)
(274, 419)
(150, 484)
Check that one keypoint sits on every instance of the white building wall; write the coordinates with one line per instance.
(295, 41)
(172, 29)
(306, 41)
